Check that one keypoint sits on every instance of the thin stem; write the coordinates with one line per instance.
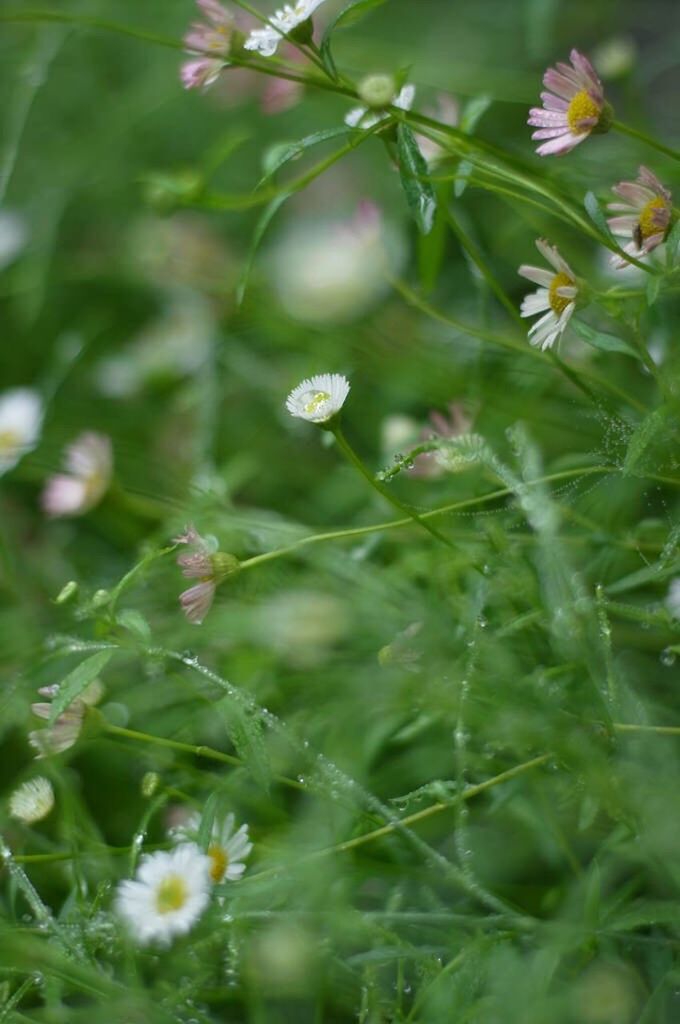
(384, 492)
(625, 129)
(658, 730)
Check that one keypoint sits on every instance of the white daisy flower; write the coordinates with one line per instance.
(227, 849)
(265, 40)
(364, 117)
(89, 462)
(32, 801)
(318, 398)
(556, 297)
(21, 415)
(168, 895)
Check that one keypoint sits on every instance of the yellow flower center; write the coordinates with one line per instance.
(558, 303)
(171, 894)
(315, 401)
(581, 108)
(648, 223)
(9, 440)
(219, 862)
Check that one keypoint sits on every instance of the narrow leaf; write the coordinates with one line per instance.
(283, 152)
(594, 211)
(75, 682)
(348, 16)
(642, 438)
(245, 732)
(602, 341)
(260, 228)
(420, 194)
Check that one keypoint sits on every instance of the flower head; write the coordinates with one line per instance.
(432, 464)
(205, 563)
(210, 43)
(89, 465)
(556, 297)
(21, 414)
(227, 848)
(364, 117)
(573, 107)
(65, 730)
(319, 398)
(265, 40)
(644, 217)
(170, 892)
(32, 801)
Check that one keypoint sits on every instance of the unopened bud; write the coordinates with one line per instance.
(67, 592)
(150, 783)
(377, 91)
(100, 598)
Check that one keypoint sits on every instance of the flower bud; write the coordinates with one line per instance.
(67, 592)
(377, 91)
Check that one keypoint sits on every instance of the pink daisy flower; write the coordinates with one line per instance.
(573, 107)
(205, 564)
(555, 298)
(209, 43)
(644, 217)
(89, 465)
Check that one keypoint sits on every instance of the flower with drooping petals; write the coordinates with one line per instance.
(21, 415)
(168, 895)
(644, 217)
(227, 848)
(206, 564)
(319, 398)
(364, 117)
(555, 298)
(429, 465)
(573, 107)
(32, 801)
(65, 730)
(209, 43)
(265, 40)
(89, 462)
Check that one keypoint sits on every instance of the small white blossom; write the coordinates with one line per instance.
(227, 849)
(265, 40)
(363, 117)
(318, 398)
(168, 895)
(32, 801)
(89, 464)
(21, 414)
(555, 298)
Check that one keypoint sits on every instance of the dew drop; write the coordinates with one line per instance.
(668, 657)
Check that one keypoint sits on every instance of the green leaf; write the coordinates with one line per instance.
(653, 289)
(260, 228)
(134, 622)
(348, 16)
(245, 732)
(672, 244)
(602, 341)
(644, 913)
(642, 437)
(473, 112)
(420, 194)
(281, 153)
(594, 211)
(75, 682)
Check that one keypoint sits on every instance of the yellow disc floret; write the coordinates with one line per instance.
(582, 108)
(315, 401)
(558, 303)
(171, 894)
(219, 862)
(650, 223)
(9, 440)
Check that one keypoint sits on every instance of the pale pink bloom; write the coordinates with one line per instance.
(555, 298)
(206, 564)
(644, 217)
(573, 107)
(280, 94)
(265, 40)
(209, 43)
(427, 465)
(446, 111)
(65, 730)
(89, 465)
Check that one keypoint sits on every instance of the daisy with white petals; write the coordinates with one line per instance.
(364, 117)
(644, 217)
(573, 107)
(319, 398)
(21, 414)
(89, 465)
(555, 298)
(227, 850)
(265, 40)
(168, 895)
(32, 801)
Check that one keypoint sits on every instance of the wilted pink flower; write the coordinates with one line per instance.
(644, 217)
(206, 564)
(89, 462)
(555, 298)
(427, 465)
(573, 107)
(210, 43)
(65, 730)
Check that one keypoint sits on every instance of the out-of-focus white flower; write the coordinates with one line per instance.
(334, 271)
(319, 398)
(573, 107)
(32, 801)
(644, 217)
(228, 847)
(364, 117)
(615, 57)
(204, 562)
(89, 462)
(13, 235)
(168, 895)
(65, 730)
(301, 626)
(673, 598)
(557, 294)
(209, 43)
(21, 416)
(265, 40)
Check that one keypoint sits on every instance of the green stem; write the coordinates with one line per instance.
(384, 492)
(625, 129)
